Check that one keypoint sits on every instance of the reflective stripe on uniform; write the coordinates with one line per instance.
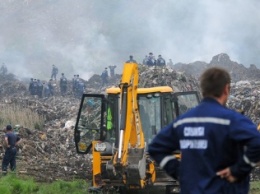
(165, 160)
(248, 161)
(202, 120)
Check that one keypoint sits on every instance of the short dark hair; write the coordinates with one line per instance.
(8, 127)
(213, 82)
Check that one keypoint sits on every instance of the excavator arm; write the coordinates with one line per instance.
(129, 160)
(131, 134)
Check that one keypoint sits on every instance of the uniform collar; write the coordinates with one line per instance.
(209, 99)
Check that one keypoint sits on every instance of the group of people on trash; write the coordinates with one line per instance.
(104, 74)
(41, 89)
(219, 146)
(47, 89)
(150, 61)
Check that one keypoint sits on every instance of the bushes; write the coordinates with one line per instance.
(61, 187)
(16, 115)
(12, 185)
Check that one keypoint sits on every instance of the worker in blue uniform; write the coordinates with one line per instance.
(219, 147)
(11, 141)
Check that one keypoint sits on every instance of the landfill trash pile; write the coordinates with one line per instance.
(245, 96)
(245, 87)
(155, 76)
(237, 71)
(49, 154)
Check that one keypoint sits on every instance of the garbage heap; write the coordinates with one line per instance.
(49, 153)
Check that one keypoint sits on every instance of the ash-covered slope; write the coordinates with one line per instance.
(238, 71)
(50, 153)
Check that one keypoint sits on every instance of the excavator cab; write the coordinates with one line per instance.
(98, 123)
(159, 106)
(98, 114)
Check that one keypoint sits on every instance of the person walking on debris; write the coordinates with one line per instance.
(160, 61)
(112, 70)
(170, 63)
(34, 87)
(74, 84)
(3, 70)
(51, 88)
(31, 86)
(11, 140)
(39, 88)
(54, 72)
(150, 60)
(145, 60)
(131, 59)
(63, 84)
(77, 80)
(80, 89)
(104, 76)
(219, 147)
(46, 90)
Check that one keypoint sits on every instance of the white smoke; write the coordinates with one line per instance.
(84, 37)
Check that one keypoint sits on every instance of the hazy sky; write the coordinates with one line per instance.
(84, 36)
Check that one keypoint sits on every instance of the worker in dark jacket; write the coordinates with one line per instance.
(11, 140)
(219, 147)
(63, 84)
(160, 62)
(104, 76)
(131, 59)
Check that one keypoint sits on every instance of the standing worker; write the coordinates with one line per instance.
(54, 72)
(31, 86)
(219, 147)
(150, 60)
(39, 88)
(160, 62)
(51, 88)
(131, 59)
(104, 77)
(63, 84)
(112, 70)
(11, 140)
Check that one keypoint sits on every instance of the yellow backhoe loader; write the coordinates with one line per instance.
(117, 127)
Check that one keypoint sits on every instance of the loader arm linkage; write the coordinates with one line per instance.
(130, 157)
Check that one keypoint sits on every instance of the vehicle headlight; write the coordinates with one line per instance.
(100, 147)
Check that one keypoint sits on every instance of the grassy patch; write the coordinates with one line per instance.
(61, 187)
(255, 187)
(16, 115)
(11, 184)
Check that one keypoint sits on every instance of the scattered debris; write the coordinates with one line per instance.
(50, 153)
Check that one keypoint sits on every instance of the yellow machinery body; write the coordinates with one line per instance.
(116, 128)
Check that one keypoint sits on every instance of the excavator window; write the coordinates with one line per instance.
(150, 113)
(184, 101)
(89, 122)
(168, 112)
(112, 118)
